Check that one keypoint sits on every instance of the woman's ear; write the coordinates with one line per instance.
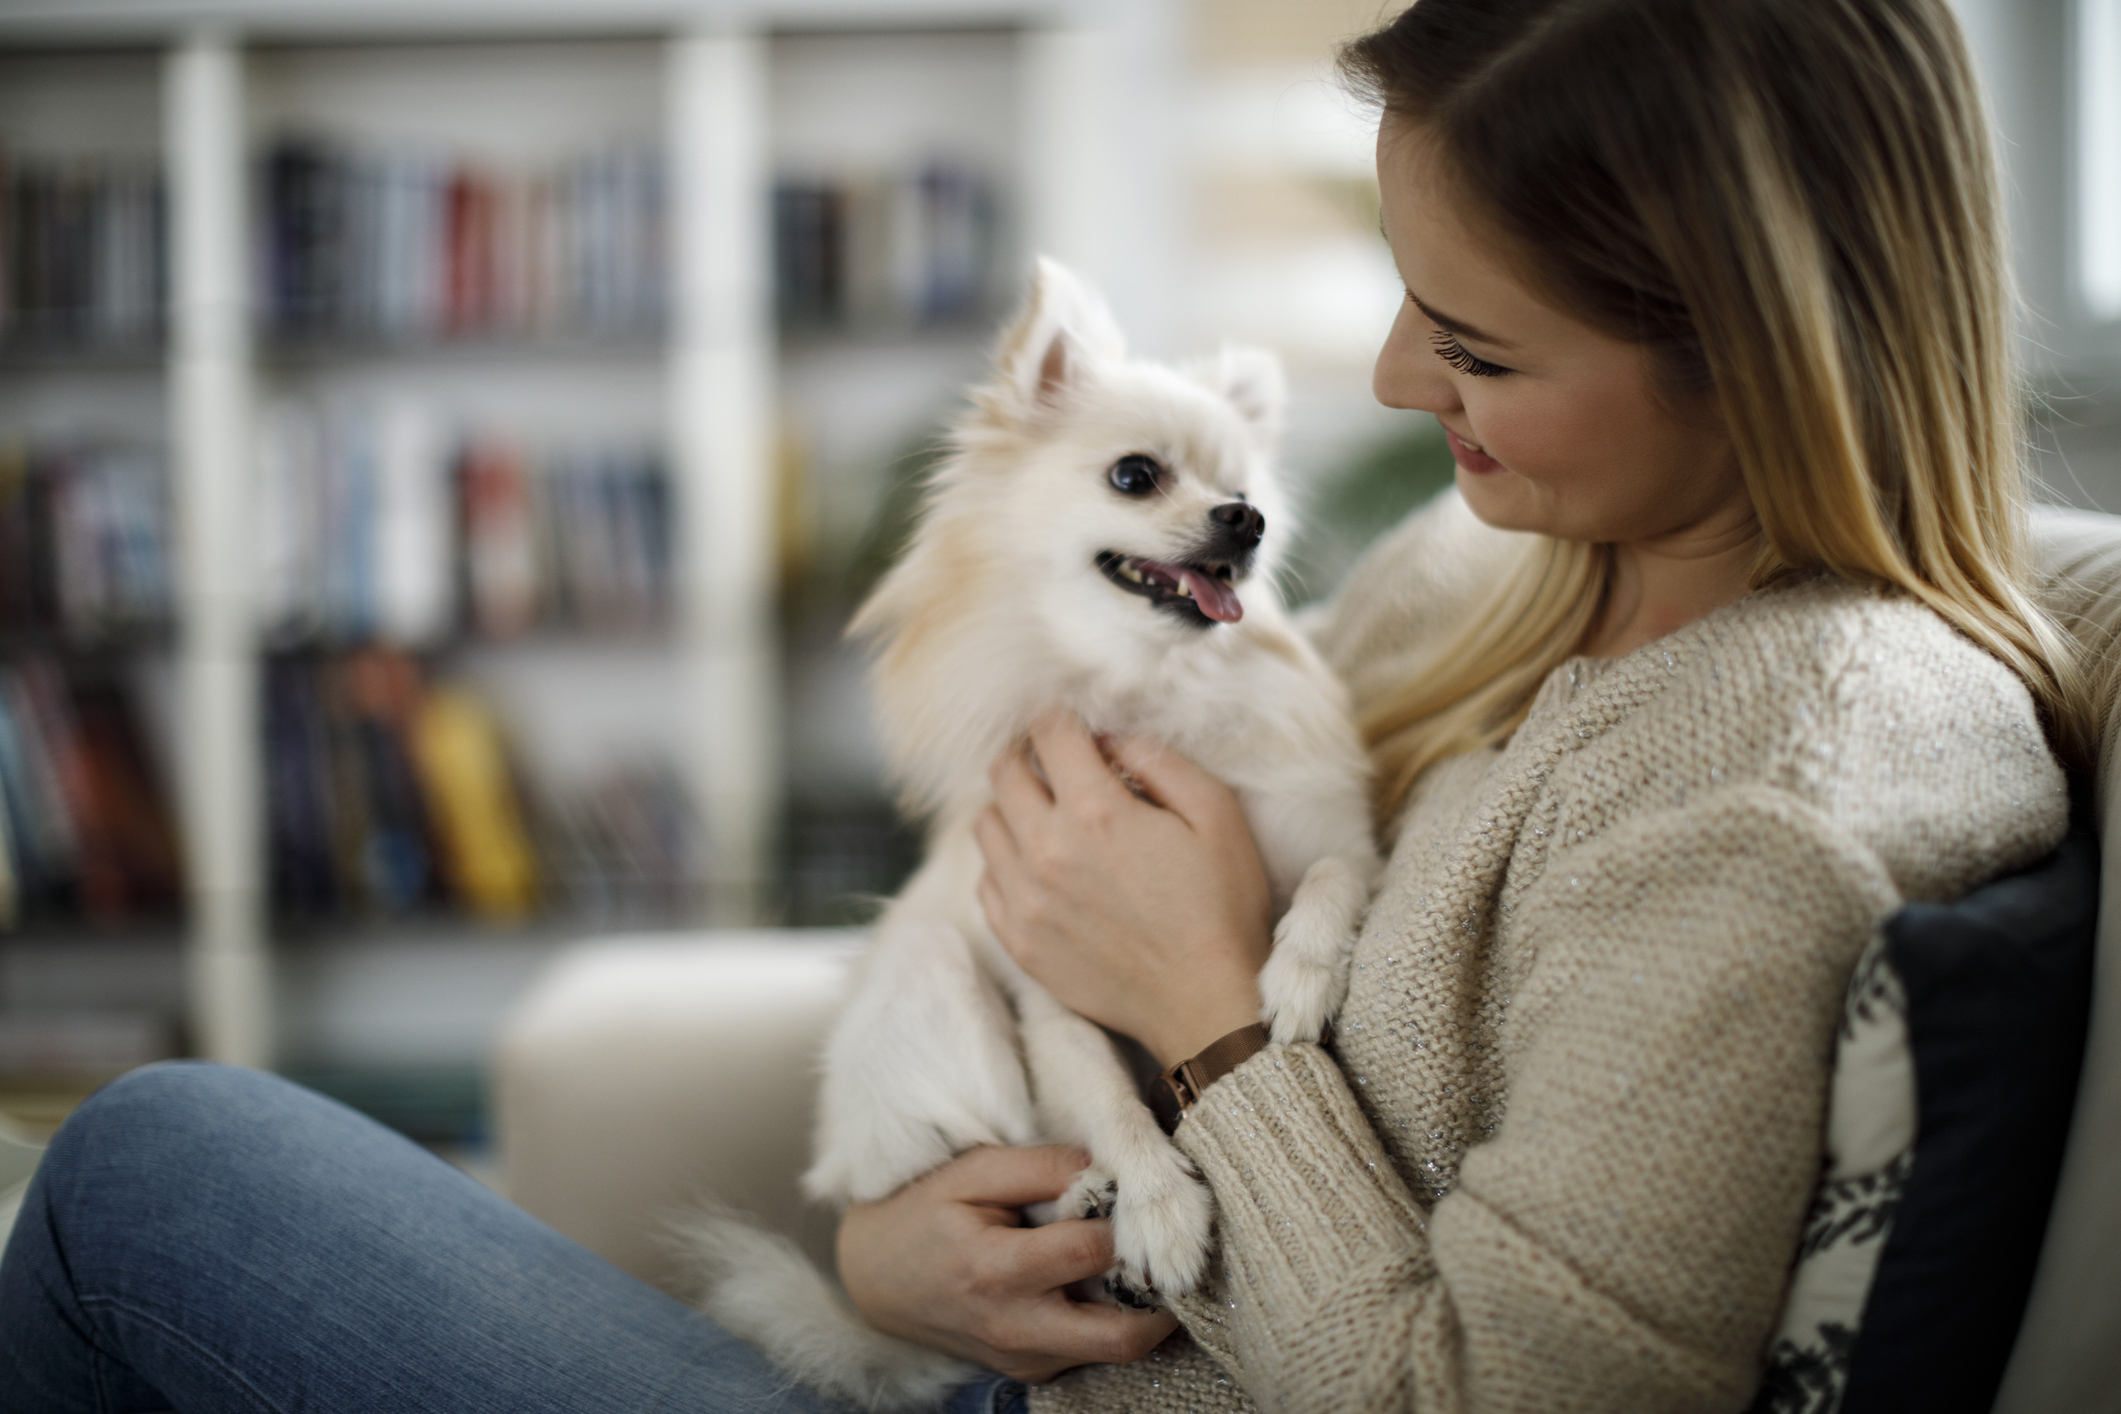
(1064, 330)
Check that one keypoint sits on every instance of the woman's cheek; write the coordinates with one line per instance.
(1508, 437)
(1558, 444)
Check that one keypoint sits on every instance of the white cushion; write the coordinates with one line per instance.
(643, 1072)
(2068, 1356)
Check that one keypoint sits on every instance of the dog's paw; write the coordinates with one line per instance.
(1094, 1194)
(1131, 1290)
(1302, 993)
(1160, 1231)
(1306, 976)
(1161, 1225)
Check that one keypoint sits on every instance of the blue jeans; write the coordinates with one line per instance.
(206, 1239)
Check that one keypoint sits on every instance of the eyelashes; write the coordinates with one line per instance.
(1462, 358)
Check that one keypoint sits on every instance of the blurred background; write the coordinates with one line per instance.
(441, 443)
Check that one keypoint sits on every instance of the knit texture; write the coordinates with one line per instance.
(1558, 1155)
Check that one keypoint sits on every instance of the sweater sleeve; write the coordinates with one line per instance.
(1622, 1241)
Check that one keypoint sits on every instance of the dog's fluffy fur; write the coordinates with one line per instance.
(1043, 575)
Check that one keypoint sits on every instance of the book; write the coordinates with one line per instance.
(414, 245)
(83, 252)
(377, 693)
(41, 827)
(393, 791)
(87, 824)
(484, 847)
(377, 524)
(412, 577)
(8, 891)
(500, 520)
(84, 541)
(882, 252)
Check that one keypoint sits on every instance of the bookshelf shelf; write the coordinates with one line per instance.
(292, 355)
(779, 436)
(139, 358)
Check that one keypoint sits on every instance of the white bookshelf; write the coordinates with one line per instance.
(1061, 99)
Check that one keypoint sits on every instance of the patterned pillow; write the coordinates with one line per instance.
(1954, 1080)
(1870, 1150)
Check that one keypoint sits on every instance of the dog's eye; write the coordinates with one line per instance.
(1134, 474)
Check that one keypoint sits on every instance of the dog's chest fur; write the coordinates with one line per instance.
(1253, 705)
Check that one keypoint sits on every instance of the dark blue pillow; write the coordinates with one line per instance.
(1999, 990)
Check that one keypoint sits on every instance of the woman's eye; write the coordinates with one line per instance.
(1462, 358)
(1135, 474)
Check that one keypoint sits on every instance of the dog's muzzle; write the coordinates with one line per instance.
(1200, 589)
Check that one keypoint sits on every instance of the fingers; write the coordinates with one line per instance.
(1016, 785)
(1101, 1335)
(1009, 1177)
(997, 842)
(1172, 780)
(993, 903)
(1075, 764)
(1047, 1258)
(1022, 803)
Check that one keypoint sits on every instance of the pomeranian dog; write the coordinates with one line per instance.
(1099, 539)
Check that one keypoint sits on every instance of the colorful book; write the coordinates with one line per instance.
(485, 849)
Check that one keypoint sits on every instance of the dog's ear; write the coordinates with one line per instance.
(1252, 381)
(1065, 327)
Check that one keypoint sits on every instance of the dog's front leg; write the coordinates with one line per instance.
(1306, 976)
(1161, 1212)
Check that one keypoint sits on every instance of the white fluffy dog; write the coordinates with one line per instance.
(1098, 541)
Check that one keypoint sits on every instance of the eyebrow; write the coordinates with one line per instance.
(1458, 326)
(1442, 320)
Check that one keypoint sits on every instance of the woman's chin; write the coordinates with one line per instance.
(1502, 499)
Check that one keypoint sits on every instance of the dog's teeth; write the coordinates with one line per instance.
(1185, 588)
(1131, 572)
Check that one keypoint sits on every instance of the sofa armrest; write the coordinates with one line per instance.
(642, 1072)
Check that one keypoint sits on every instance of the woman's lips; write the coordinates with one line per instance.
(1469, 456)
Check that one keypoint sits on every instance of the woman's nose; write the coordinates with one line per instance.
(1408, 372)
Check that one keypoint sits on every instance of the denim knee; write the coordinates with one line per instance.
(165, 1095)
(169, 1088)
(165, 1123)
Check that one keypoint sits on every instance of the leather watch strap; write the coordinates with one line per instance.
(1176, 1090)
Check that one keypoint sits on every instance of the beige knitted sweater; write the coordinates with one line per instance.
(1558, 1153)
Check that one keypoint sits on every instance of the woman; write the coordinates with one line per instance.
(1707, 296)
(1722, 652)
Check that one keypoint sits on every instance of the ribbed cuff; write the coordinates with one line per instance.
(1304, 1191)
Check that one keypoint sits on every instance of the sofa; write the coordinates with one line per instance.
(644, 1071)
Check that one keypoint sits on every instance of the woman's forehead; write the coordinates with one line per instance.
(1467, 275)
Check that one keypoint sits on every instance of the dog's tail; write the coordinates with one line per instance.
(759, 1285)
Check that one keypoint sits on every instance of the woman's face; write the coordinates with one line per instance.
(1555, 425)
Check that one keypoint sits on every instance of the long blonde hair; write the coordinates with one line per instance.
(1794, 207)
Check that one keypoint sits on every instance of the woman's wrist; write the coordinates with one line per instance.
(1201, 1027)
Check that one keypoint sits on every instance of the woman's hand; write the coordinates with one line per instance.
(946, 1262)
(1150, 916)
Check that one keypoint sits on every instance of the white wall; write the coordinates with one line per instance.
(2027, 53)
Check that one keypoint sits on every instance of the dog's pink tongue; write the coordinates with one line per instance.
(1216, 599)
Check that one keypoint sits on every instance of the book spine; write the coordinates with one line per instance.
(875, 253)
(84, 541)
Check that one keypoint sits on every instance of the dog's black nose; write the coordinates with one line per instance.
(1241, 521)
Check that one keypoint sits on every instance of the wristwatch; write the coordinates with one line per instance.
(1177, 1089)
